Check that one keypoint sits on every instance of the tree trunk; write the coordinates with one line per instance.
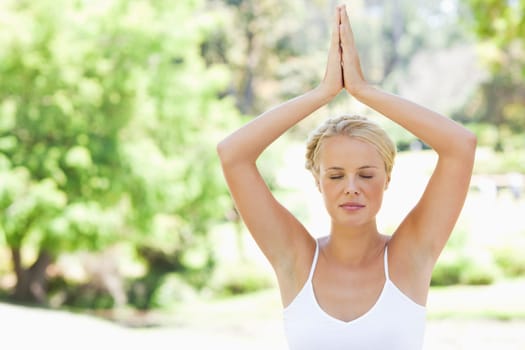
(246, 94)
(394, 37)
(31, 284)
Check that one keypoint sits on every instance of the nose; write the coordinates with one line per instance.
(351, 187)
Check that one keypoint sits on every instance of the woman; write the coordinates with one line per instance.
(355, 288)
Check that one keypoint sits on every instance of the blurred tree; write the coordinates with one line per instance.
(277, 50)
(391, 33)
(502, 22)
(108, 121)
(501, 99)
(254, 37)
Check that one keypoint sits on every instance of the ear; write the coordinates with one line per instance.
(317, 184)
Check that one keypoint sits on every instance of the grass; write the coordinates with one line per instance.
(501, 301)
(224, 312)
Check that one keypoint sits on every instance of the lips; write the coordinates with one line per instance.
(352, 206)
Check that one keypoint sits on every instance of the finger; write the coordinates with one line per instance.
(335, 29)
(346, 34)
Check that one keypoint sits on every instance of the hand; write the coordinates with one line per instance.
(353, 79)
(332, 82)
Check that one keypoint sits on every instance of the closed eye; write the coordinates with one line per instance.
(366, 176)
(335, 177)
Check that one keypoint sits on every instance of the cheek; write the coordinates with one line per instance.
(375, 189)
(378, 197)
(330, 193)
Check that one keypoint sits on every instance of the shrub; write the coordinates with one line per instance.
(460, 264)
(479, 268)
(240, 278)
(446, 272)
(500, 163)
(173, 288)
(510, 260)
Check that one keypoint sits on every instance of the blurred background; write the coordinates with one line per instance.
(115, 220)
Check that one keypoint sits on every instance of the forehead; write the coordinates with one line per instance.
(348, 152)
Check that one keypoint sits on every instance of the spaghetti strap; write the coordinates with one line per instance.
(314, 261)
(386, 263)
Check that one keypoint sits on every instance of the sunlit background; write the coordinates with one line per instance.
(116, 227)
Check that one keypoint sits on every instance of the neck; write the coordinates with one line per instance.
(354, 246)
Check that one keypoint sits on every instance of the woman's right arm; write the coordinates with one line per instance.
(275, 229)
(277, 232)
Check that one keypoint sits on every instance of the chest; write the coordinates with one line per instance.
(347, 294)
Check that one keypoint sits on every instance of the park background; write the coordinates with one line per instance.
(115, 219)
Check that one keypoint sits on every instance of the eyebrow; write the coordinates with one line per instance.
(360, 168)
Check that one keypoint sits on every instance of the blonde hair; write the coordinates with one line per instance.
(352, 126)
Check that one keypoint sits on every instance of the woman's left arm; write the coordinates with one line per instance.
(430, 223)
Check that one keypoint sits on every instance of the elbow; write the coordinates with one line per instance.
(228, 153)
(231, 152)
(471, 141)
(468, 145)
(222, 150)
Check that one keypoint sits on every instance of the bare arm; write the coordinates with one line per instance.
(428, 226)
(430, 223)
(276, 231)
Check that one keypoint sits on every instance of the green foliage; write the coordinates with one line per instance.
(173, 289)
(500, 99)
(498, 102)
(486, 133)
(511, 261)
(479, 268)
(500, 163)
(460, 264)
(240, 278)
(26, 205)
(510, 258)
(446, 272)
(110, 112)
(78, 296)
(464, 269)
(108, 123)
(501, 21)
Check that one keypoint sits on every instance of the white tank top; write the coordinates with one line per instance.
(394, 322)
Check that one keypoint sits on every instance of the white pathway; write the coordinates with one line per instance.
(30, 328)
